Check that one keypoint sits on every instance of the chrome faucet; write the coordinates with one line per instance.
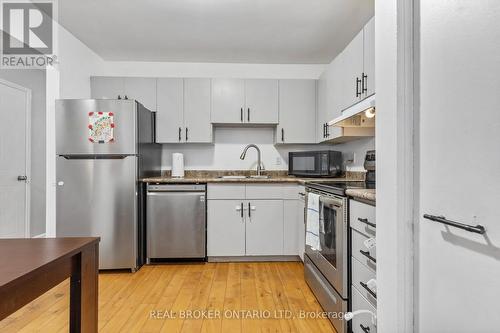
(259, 164)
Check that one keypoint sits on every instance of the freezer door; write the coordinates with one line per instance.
(73, 117)
(98, 198)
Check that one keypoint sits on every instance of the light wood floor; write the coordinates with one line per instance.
(126, 300)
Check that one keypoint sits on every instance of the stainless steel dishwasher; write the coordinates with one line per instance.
(176, 221)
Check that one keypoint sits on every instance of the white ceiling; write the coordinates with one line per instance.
(235, 31)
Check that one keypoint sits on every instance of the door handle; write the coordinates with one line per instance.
(364, 78)
(248, 114)
(186, 133)
(358, 81)
(365, 221)
(282, 135)
(367, 254)
(119, 97)
(365, 329)
(249, 210)
(327, 130)
(22, 178)
(180, 130)
(242, 210)
(371, 292)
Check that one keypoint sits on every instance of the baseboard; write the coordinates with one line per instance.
(253, 258)
(39, 236)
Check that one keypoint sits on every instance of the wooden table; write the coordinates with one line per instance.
(30, 267)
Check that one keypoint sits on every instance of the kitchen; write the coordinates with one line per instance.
(242, 190)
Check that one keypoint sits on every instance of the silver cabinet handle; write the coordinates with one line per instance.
(478, 229)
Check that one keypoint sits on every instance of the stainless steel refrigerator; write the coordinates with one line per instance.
(103, 149)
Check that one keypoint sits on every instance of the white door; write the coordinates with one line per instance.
(351, 65)
(264, 227)
(170, 110)
(103, 87)
(141, 89)
(261, 101)
(228, 101)
(297, 100)
(15, 104)
(197, 103)
(369, 58)
(322, 107)
(225, 228)
(458, 271)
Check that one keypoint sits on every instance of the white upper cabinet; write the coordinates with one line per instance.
(102, 87)
(197, 104)
(170, 111)
(369, 58)
(237, 101)
(350, 64)
(141, 89)
(228, 101)
(322, 107)
(297, 115)
(261, 101)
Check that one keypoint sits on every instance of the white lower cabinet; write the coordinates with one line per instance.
(225, 228)
(264, 220)
(264, 228)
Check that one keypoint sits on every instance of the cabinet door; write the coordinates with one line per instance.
(322, 106)
(297, 115)
(301, 213)
(225, 228)
(264, 227)
(197, 103)
(141, 89)
(228, 101)
(369, 57)
(102, 87)
(261, 101)
(351, 65)
(290, 228)
(170, 111)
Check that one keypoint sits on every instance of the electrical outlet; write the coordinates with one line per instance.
(350, 157)
(278, 160)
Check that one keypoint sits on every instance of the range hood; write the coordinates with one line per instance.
(361, 114)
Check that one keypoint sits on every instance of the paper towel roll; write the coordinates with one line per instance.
(177, 165)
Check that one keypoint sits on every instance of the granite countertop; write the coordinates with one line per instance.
(367, 194)
(195, 176)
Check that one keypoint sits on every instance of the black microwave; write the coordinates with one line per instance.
(324, 163)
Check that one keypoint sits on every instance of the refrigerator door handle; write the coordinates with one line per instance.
(96, 157)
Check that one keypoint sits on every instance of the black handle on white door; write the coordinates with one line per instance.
(358, 81)
(22, 178)
(364, 83)
(119, 97)
(367, 254)
(242, 210)
(186, 133)
(241, 114)
(180, 130)
(365, 286)
(478, 229)
(365, 329)
(365, 221)
(249, 209)
(282, 135)
(248, 114)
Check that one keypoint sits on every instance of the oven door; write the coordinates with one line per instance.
(331, 257)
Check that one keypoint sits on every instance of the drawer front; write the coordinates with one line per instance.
(265, 191)
(362, 217)
(291, 191)
(361, 274)
(226, 191)
(362, 323)
(361, 252)
(329, 299)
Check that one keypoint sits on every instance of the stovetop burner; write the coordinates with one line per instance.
(339, 188)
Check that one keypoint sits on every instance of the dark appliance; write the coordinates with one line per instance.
(325, 163)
